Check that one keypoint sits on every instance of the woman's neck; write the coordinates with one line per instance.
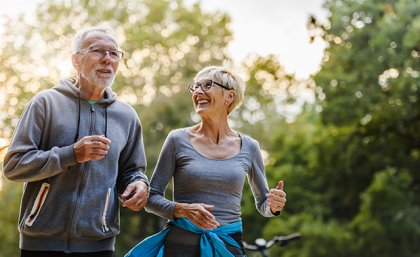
(214, 130)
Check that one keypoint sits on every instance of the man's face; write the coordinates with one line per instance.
(96, 66)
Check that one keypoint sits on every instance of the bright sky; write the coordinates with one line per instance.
(274, 27)
(259, 26)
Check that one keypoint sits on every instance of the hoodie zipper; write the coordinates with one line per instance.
(39, 202)
(81, 187)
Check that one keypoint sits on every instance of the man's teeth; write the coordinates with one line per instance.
(202, 101)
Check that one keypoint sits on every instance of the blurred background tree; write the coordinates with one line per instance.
(353, 157)
(345, 142)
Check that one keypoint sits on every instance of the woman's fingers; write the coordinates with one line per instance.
(200, 215)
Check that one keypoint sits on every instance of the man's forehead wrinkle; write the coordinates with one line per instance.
(99, 38)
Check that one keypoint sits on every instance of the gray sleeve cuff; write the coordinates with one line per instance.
(67, 156)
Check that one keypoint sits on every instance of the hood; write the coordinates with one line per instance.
(67, 87)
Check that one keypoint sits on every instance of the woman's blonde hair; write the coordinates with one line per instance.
(227, 78)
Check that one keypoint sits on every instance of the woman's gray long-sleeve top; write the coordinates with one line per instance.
(199, 179)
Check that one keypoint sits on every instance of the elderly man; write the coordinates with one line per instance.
(79, 151)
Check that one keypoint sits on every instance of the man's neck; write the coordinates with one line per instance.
(90, 91)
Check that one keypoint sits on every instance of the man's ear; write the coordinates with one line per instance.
(75, 61)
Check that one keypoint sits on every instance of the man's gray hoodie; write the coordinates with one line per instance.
(68, 206)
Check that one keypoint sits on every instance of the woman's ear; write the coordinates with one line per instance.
(230, 97)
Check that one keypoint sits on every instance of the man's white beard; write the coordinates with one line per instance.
(93, 79)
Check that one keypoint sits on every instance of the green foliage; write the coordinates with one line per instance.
(294, 157)
(317, 234)
(268, 87)
(350, 162)
(388, 200)
(371, 70)
(10, 199)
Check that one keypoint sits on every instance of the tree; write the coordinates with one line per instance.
(9, 204)
(371, 67)
(271, 98)
(354, 165)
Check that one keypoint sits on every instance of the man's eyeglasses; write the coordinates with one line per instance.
(100, 53)
(205, 86)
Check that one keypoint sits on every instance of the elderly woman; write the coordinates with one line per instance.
(208, 163)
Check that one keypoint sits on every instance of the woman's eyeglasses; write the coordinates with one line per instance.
(205, 85)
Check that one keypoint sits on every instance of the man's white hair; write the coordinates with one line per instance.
(81, 35)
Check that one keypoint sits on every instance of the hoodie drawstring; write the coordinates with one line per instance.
(106, 120)
(78, 119)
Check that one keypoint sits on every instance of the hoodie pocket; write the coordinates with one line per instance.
(106, 207)
(39, 202)
(100, 217)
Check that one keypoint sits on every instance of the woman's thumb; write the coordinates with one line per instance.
(280, 185)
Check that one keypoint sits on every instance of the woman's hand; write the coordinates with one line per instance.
(198, 213)
(277, 198)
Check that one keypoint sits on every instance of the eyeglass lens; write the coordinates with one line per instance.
(100, 52)
(205, 85)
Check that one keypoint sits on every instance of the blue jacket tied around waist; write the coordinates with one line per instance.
(211, 242)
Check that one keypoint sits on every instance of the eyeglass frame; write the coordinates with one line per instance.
(190, 87)
(102, 51)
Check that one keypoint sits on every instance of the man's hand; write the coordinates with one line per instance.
(91, 148)
(135, 195)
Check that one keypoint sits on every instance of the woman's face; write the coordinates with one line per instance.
(208, 97)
